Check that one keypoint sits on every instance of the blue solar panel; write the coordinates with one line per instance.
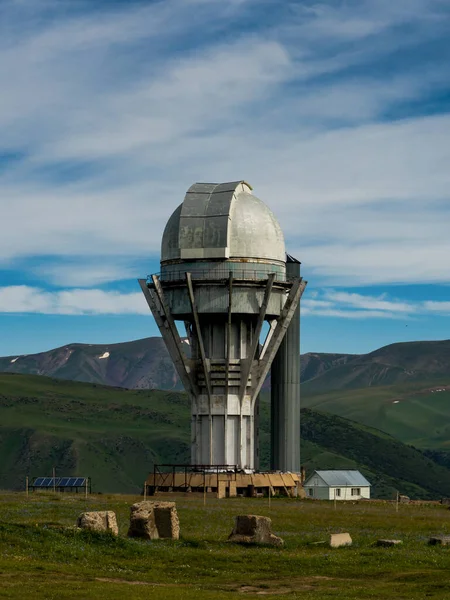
(59, 482)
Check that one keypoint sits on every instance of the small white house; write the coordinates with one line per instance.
(342, 485)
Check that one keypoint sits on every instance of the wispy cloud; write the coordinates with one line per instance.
(108, 114)
(26, 299)
(380, 303)
(332, 303)
(84, 273)
(440, 308)
(327, 303)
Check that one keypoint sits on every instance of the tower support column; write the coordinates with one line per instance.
(285, 392)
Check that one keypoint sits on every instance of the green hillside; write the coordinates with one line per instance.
(334, 442)
(394, 364)
(415, 413)
(110, 434)
(115, 436)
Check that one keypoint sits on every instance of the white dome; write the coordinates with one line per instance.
(223, 221)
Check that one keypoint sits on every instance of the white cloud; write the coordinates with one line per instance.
(332, 303)
(312, 303)
(142, 101)
(441, 308)
(85, 274)
(370, 302)
(188, 97)
(328, 303)
(25, 299)
(350, 314)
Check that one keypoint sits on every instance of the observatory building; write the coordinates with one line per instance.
(226, 277)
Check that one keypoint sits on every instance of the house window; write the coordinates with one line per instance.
(337, 492)
(356, 491)
(310, 491)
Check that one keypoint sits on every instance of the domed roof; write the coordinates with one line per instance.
(222, 221)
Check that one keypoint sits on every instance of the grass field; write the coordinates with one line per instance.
(414, 413)
(42, 556)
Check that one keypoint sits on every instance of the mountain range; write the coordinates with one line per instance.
(146, 364)
(140, 364)
(368, 411)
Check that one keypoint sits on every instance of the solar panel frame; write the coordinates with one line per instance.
(59, 482)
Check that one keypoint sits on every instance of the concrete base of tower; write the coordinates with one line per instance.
(223, 484)
(223, 431)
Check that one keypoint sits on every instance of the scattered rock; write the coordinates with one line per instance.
(253, 529)
(142, 521)
(340, 539)
(440, 540)
(404, 499)
(167, 522)
(99, 521)
(388, 543)
(154, 520)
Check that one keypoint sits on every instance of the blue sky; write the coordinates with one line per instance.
(337, 113)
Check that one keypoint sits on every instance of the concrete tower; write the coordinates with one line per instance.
(223, 273)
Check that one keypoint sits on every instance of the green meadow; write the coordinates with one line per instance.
(43, 556)
(115, 435)
(414, 413)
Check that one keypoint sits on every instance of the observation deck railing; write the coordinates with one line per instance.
(220, 275)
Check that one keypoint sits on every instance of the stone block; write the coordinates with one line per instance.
(142, 521)
(99, 521)
(440, 540)
(340, 539)
(154, 520)
(388, 543)
(445, 501)
(404, 499)
(167, 522)
(254, 529)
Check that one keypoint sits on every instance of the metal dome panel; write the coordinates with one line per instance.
(254, 231)
(222, 221)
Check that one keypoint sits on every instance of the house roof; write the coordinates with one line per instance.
(342, 478)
